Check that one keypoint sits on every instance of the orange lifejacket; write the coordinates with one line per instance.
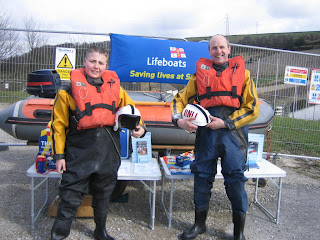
(223, 90)
(95, 106)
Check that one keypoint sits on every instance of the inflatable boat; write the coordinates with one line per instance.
(26, 118)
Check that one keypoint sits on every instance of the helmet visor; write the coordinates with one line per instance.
(128, 121)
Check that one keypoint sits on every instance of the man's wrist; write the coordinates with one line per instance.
(175, 119)
(58, 156)
(229, 124)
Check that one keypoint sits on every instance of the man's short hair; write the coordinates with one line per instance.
(97, 49)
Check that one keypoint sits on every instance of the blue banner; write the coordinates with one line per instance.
(141, 59)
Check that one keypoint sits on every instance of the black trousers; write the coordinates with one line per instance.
(92, 163)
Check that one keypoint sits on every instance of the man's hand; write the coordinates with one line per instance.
(138, 132)
(186, 124)
(216, 123)
(61, 165)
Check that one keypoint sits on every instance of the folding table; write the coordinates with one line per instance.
(266, 170)
(128, 171)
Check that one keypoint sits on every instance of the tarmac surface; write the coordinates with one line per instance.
(311, 113)
(299, 215)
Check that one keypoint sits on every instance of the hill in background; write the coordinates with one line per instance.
(295, 41)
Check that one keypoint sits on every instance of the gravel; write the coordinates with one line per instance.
(299, 216)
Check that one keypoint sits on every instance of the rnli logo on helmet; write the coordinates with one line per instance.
(177, 52)
(189, 113)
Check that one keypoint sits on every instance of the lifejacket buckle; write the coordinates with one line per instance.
(75, 119)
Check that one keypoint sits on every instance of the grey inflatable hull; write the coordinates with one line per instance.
(26, 118)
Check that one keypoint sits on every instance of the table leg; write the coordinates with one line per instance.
(173, 188)
(170, 202)
(168, 214)
(33, 188)
(279, 200)
(32, 203)
(153, 215)
(152, 201)
(162, 200)
(162, 188)
(266, 211)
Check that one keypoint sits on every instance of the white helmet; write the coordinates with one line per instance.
(127, 117)
(201, 114)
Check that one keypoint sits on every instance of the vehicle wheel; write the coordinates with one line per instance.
(262, 182)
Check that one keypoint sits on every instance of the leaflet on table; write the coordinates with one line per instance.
(145, 168)
(255, 150)
(141, 149)
(137, 168)
(124, 168)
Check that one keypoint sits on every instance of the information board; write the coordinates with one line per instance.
(314, 93)
(296, 75)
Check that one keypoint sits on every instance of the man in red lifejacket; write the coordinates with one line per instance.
(84, 144)
(222, 86)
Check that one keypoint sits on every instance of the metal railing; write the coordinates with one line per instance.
(267, 67)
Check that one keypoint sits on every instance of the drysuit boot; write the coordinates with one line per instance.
(67, 209)
(100, 233)
(239, 222)
(60, 229)
(199, 226)
(62, 223)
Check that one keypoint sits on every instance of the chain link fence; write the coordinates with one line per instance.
(295, 128)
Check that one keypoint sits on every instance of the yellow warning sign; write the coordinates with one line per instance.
(296, 75)
(65, 62)
(64, 73)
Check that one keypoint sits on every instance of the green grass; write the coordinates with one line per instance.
(295, 136)
(12, 96)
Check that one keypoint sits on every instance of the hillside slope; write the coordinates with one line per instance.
(296, 41)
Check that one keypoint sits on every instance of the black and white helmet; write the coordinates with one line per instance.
(127, 117)
(201, 114)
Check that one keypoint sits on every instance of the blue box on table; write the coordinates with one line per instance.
(125, 143)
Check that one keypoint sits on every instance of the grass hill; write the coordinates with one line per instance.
(295, 41)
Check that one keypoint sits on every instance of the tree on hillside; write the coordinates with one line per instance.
(9, 42)
(34, 40)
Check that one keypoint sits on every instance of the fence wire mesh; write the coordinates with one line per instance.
(295, 128)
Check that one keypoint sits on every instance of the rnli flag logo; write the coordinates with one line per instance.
(177, 52)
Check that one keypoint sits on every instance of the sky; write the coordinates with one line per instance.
(167, 18)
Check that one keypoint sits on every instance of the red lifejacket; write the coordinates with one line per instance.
(95, 106)
(223, 90)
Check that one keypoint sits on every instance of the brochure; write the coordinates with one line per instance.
(255, 149)
(141, 149)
